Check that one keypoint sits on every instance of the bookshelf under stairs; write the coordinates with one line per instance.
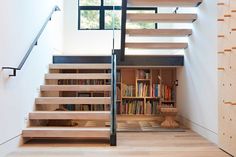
(142, 92)
(163, 17)
(72, 93)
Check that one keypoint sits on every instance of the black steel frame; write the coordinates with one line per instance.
(34, 43)
(102, 10)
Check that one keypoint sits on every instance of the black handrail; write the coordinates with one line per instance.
(123, 29)
(34, 43)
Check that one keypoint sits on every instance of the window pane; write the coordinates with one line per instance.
(111, 2)
(89, 2)
(89, 19)
(140, 25)
(109, 19)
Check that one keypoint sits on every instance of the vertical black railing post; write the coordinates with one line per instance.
(123, 29)
(113, 101)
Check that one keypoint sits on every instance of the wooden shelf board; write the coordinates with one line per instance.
(143, 79)
(121, 117)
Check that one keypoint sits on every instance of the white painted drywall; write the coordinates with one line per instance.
(197, 91)
(84, 42)
(21, 20)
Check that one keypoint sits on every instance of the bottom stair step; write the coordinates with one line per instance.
(66, 132)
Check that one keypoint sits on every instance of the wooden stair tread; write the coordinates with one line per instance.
(165, 3)
(91, 76)
(75, 88)
(80, 66)
(159, 32)
(80, 115)
(165, 18)
(156, 45)
(66, 132)
(73, 100)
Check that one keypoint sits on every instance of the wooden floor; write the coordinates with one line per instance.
(151, 144)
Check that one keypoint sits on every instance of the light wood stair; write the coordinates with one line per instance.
(161, 18)
(66, 132)
(158, 32)
(73, 100)
(165, 3)
(84, 88)
(81, 115)
(63, 86)
(89, 76)
(157, 18)
(156, 45)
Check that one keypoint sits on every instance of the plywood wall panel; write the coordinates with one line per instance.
(227, 74)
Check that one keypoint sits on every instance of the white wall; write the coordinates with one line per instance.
(197, 91)
(84, 42)
(21, 20)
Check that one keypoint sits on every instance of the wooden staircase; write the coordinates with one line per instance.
(66, 84)
(156, 18)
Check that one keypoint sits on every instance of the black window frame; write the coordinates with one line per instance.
(102, 10)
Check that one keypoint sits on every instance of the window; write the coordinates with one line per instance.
(98, 15)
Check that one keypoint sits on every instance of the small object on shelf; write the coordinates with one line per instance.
(169, 114)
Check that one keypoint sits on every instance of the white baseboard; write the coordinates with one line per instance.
(206, 133)
(10, 146)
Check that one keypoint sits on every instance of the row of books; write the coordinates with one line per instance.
(152, 107)
(71, 107)
(156, 90)
(167, 93)
(128, 90)
(131, 107)
(136, 107)
(81, 82)
(143, 89)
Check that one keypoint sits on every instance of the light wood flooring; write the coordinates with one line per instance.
(147, 144)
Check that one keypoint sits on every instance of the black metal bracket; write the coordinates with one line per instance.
(11, 68)
(176, 10)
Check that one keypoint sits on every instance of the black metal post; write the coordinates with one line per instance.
(123, 29)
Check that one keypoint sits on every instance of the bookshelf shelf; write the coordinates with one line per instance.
(143, 92)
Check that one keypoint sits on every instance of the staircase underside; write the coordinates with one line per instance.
(139, 60)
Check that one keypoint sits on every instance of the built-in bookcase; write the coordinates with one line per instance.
(143, 91)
